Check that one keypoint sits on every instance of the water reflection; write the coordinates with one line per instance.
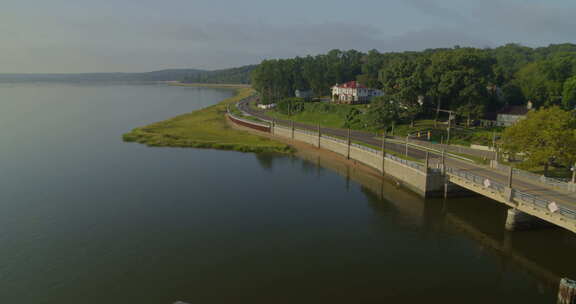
(266, 160)
(545, 255)
(87, 218)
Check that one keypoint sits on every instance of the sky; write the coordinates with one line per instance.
(72, 36)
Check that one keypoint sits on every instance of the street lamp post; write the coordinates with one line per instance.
(443, 161)
(319, 135)
(510, 173)
(407, 144)
(383, 152)
(349, 143)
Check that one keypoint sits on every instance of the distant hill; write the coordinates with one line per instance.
(234, 75)
(239, 75)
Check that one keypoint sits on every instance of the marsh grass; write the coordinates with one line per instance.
(205, 128)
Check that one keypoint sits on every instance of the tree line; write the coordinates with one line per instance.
(239, 75)
(469, 81)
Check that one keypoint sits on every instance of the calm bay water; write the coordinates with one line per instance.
(86, 218)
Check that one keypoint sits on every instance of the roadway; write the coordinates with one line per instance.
(536, 189)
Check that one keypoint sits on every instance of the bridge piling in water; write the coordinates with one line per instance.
(517, 220)
(567, 292)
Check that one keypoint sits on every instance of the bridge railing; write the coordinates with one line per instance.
(542, 203)
(477, 179)
(336, 139)
(550, 181)
(368, 149)
(406, 162)
(244, 120)
(526, 198)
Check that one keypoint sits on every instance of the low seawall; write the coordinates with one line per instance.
(249, 124)
(413, 175)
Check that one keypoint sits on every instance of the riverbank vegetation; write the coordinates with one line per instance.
(456, 90)
(469, 81)
(546, 138)
(471, 84)
(359, 117)
(205, 128)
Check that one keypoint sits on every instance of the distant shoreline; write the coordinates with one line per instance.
(209, 85)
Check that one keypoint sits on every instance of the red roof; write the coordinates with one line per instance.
(352, 85)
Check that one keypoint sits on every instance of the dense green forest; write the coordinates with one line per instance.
(234, 75)
(472, 82)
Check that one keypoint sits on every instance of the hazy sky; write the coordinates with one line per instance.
(143, 35)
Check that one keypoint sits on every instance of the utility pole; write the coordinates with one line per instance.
(494, 140)
(383, 151)
(407, 144)
(448, 139)
(349, 143)
(510, 176)
(384, 143)
(292, 129)
(495, 150)
(443, 161)
(319, 135)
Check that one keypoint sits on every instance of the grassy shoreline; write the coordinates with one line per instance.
(205, 128)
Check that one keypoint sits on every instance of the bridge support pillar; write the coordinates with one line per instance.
(508, 192)
(518, 220)
(567, 292)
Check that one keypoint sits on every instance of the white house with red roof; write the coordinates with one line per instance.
(353, 92)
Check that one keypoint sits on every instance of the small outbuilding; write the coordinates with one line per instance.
(304, 94)
(509, 115)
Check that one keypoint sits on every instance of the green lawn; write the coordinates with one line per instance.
(337, 119)
(206, 128)
(331, 119)
(553, 172)
(458, 136)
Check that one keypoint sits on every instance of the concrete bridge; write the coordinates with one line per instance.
(528, 210)
(533, 202)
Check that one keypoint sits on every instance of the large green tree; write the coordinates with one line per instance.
(569, 94)
(459, 79)
(465, 80)
(542, 81)
(546, 136)
(383, 113)
(404, 81)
